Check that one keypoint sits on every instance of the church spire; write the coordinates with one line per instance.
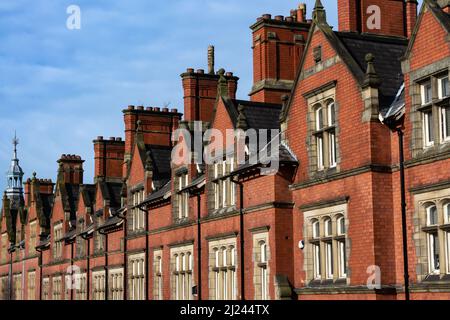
(15, 174)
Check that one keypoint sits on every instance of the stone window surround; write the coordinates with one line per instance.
(431, 72)
(216, 187)
(215, 244)
(138, 279)
(115, 283)
(187, 274)
(334, 212)
(259, 238)
(422, 201)
(98, 285)
(322, 98)
(178, 215)
(158, 284)
(46, 288)
(31, 285)
(56, 288)
(58, 245)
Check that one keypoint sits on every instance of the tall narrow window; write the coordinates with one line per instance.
(445, 124)
(342, 254)
(428, 128)
(433, 240)
(263, 271)
(183, 196)
(224, 189)
(320, 139)
(427, 93)
(33, 235)
(316, 249)
(444, 87)
(224, 273)
(31, 285)
(58, 244)
(158, 284)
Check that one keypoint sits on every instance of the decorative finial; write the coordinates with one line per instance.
(15, 142)
(242, 119)
(223, 83)
(319, 14)
(139, 126)
(371, 78)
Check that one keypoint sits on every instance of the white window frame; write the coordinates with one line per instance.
(445, 136)
(427, 139)
(428, 211)
(441, 87)
(433, 268)
(329, 260)
(423, 93)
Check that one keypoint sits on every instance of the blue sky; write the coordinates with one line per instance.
(61, 88)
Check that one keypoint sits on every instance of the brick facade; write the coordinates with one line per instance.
(327, 225)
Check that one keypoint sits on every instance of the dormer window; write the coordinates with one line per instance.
(224, 188)
(325, 134)
(182, 196)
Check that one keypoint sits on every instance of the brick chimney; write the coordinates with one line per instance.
(200, 90)
(278, 44)
(157, 126)
(70, 169)
(109, 158)
(411, 16)
(386, 17)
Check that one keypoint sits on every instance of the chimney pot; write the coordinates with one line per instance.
(112, 138)
(140, 107)
(119, 139)
(279, 18)
(201, 71)
(229, 74)
(130, 107)
(267, 16)
(289, 19)
(100, 138)
(190, 70)
(174, 110)
(157, 109)
(148, 109)
(165, 109)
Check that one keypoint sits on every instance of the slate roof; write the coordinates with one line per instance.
(160, 156)
(158, 194)
(259, 115)
(111, 191)
(47, 203)
(88, 194)
(111, 223)
(70, 194)
(396, 109)
(89, 229)
(387, 51)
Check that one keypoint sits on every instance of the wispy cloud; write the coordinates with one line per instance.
(61, 88)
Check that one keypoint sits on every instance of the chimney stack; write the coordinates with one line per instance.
(109, 158)
(211, 59)
(70, 169)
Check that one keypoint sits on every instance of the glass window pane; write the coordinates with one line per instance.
(319, 118)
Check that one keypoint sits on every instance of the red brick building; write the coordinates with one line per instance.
(327, 224)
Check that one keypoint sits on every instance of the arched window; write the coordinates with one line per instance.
(340, 225)
(432, 215)
(263, 249)
(315, 229)
(328, 227)
(447, 213)
(319, 118)
(331, 113)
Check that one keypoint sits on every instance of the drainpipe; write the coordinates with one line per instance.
(71, 267)
(147, 282)
(241, 230)
(125, 256)
(88, 265)
(10, 273)
(40, 272)
(404, 224)
(199, 248)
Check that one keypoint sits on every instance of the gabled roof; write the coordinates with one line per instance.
(160, 157)
(159, 195)
(88, 194)
(387, 51)
(442, 17)
(258, 115)
(352, 49)
(111, 191)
